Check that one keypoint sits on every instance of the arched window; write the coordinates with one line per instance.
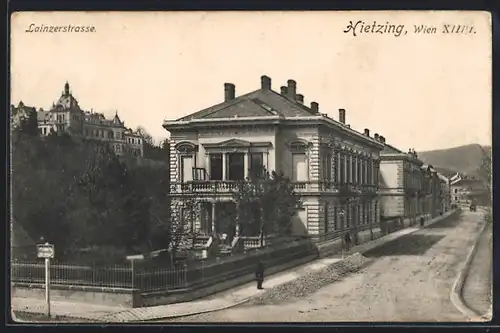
(187, 160)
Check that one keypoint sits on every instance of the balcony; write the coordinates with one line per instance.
(209, 186)
(231, 186)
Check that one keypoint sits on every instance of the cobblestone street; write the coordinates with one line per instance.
(410, 279)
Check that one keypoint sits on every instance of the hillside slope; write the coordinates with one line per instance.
(463, 159)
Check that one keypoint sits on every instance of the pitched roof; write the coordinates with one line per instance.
(262, 102)
(388, 149)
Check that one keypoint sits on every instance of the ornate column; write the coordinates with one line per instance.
(246, 166)
(224, 171)
(207, 163)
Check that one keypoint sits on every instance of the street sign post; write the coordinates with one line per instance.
(46, 251)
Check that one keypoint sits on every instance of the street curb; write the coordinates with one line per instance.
(196, 312)
(15, 315)
(456, 291)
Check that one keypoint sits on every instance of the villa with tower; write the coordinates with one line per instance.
(66, 116)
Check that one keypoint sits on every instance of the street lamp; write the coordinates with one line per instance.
(341, 214)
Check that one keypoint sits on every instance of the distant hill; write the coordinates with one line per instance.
(463, 159)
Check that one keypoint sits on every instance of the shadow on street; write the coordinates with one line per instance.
(410, 245)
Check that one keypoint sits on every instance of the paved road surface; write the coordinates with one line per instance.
(410, 279)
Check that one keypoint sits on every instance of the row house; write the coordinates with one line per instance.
(435, 190)
(66, 116)
(446, 192)
(402, 193)
(333, 167)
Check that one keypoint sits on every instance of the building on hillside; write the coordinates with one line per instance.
(333, 167)
(19, 113)
(66, 116)
(401, 184)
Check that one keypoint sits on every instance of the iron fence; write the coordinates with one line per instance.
(153, 277)
(112, 276)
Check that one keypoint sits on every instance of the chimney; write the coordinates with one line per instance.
(314, 107)
(228, 91)
(283, 91)
(382, 139)
(376, 136)
(367, 132)
(342, 116)
(292, 89)
(300, 98)
(265, 82)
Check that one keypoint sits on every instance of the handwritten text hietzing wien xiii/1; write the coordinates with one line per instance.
(363, 28)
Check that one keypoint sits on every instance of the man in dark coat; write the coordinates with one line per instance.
(347, 240)
(259, 275)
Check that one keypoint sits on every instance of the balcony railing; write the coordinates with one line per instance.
(231, 186)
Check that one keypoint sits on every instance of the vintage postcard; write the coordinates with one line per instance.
(251, 166)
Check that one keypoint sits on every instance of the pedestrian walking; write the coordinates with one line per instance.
(422, 221)
(347, 240)
(259, 275)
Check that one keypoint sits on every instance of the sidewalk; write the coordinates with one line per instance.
(477, 288)
(220, 301)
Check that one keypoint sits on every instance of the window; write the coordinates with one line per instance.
(299, 167)
(327, 167)
(456, 190)
(110, 135)
(187, 168)
(336, 166)
(326, 218)
(358, 170)
(256, 164)
(349, 169)
(235, 166)
(342, 169)
(370, 174)
(215, 166)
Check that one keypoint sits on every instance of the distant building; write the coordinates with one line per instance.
(463, 190)
(19, 113)
(66, 116)
(446, 192)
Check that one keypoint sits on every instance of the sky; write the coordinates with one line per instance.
(421, 91)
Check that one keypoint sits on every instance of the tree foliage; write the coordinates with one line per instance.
(266, 204)
(81, 196)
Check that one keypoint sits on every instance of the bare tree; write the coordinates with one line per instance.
(148, 139)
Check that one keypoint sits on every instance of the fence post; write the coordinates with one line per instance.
(185, 276)
(133, 273)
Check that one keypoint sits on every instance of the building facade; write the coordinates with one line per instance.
(334, 168)
(434, 190)
(446, 192)
(66, 116)
(401, 185)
